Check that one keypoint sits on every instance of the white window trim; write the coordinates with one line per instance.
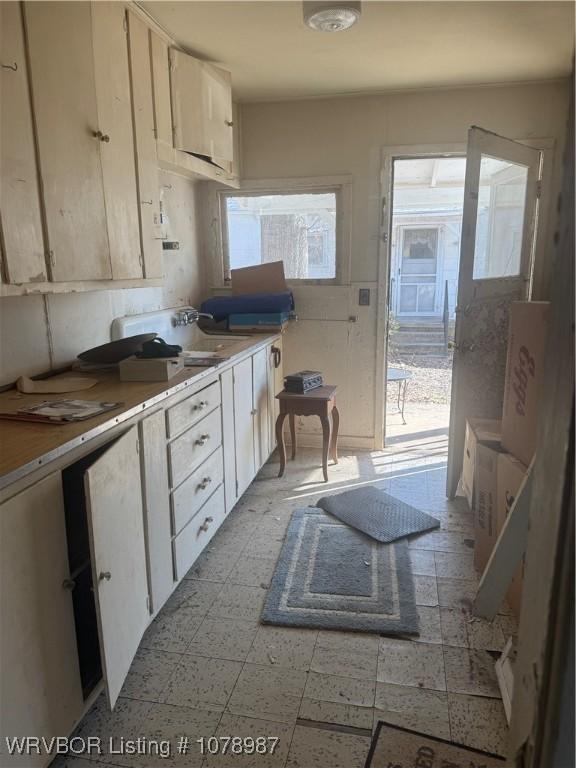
(217, 223)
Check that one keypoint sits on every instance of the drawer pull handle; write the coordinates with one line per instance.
(204, 484)
(104, 576)
(68, 584)
(206, 523)
(202, 440)
(200, 406)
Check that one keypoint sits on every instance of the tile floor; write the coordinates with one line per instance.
(206, 667)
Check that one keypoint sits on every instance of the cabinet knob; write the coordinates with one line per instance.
(230, 123)
(104, 576)
(200, 406)
(206, 523)
(254, 411)
(202, 440)
(68, 584)
(102, 136)
(205, 483)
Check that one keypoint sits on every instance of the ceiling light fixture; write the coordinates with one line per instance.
(331, 16)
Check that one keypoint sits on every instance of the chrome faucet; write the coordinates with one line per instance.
(189, 317)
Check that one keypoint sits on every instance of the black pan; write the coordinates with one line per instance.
(114, 351)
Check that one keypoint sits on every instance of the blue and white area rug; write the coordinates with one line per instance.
(332, 576)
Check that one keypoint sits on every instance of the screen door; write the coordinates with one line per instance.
(498, 231)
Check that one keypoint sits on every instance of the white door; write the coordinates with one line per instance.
(261, 406)
(243, 425)
(114, 501)
(418, 270)
(498, 230)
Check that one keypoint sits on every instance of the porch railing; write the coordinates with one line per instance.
(446, 316)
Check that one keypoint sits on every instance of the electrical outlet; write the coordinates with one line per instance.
(364, 297)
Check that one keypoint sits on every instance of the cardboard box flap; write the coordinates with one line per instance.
(263, 278)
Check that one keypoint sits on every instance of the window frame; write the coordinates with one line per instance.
(338, 185)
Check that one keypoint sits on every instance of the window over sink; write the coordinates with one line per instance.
(298, 228)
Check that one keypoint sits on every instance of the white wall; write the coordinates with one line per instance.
(39, 333)
(324, 137)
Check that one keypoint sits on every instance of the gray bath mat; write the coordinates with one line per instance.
(331, 576)
(377, 514)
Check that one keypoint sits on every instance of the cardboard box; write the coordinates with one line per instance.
(477, 431)
(524, 377)
(262, 278)
(150, 369)
(511, 473)
(485, 502)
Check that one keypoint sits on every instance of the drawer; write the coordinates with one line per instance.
(188, 451)
(189, 497)
(195, 536)
(194, 408)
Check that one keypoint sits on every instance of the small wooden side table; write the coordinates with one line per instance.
(319, 402)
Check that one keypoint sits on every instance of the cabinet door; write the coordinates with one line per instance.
(21, 218)
(117, 153)
(161, 86)
(114, 500)
(261, 408)
(41, 693)
(243, 425)
(201, 107)
(156, 499)
(64, 97)
(228, 439)
(146, 157)
(275, 385)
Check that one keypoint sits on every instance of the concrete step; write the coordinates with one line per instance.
(416, 337)
(423, 328)
(420, 348)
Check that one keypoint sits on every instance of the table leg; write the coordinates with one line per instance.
(334, 440)
(280, 442)
(325, 421)
(404, 399)
(292, 434)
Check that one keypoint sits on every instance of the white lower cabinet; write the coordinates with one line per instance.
(156, 501)
(260, 411)
(243, 425)
(198, 532)
(40, 690)
(89, 553)
(116, 527)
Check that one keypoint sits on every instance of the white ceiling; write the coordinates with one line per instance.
(396, 45)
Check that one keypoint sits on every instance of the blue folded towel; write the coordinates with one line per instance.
(223, 306)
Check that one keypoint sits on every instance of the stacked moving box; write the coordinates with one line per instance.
(497, 454)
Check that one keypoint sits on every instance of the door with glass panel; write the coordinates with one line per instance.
(418, 270)
(496, 253)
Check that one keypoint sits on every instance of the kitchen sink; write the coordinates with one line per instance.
(212, 343)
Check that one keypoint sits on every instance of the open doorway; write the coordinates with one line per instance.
(425, 233)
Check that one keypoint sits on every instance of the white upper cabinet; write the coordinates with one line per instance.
(201, 108)
(115, 516)
(69, 138)
(145, 134)
(161, 88)
(112, 78)
(19, 192)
